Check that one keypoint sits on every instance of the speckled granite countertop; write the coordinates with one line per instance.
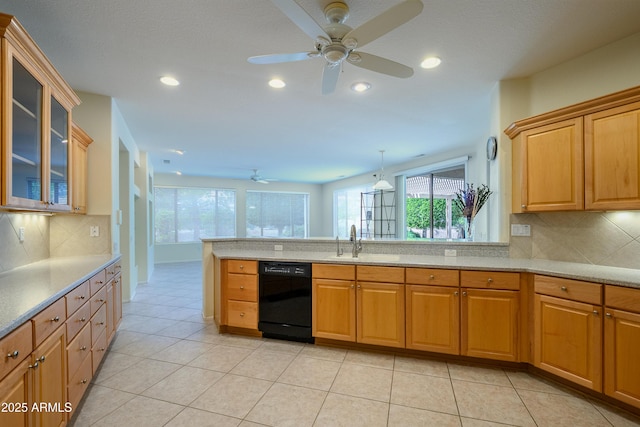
(593, 273)
(26, 290)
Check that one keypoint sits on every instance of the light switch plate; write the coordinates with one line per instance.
(520, 230)
(277, 247)
(21, 234)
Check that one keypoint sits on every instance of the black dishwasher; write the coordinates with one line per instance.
(285, 300)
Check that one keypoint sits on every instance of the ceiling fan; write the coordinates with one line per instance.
(256, 177)
(337, 42)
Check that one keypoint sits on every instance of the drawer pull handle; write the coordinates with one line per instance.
(13, 355)
(83, 348)
(56, 319)
(563, 288)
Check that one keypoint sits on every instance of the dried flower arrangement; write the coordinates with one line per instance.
(470, 201)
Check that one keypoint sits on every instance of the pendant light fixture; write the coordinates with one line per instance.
(382, 184)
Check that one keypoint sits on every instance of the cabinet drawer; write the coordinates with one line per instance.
(432, 276)
(99, 323)
(590, 293)
(242, 266)
(79, 382)
(242, 314)
(98, 350)
(77, 297)
(242, 287)
(15, 347)
(371, 273)
(77, 321)
(622, 298)
(490, 280)
(98, 299)
(97, 281)
(332, 271)
(78, 350)
(48, 321)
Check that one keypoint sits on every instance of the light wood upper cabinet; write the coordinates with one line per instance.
(612, 158)
(548, 168)
(585, 156)
(79, 173)
(35, 108)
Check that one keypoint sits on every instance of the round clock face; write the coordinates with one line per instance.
(492, 148)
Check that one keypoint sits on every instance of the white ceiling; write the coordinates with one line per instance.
(230, 121)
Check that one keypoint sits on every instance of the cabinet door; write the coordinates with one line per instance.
(79, 174)
(548, 165)
(612, 158)
(15, 391)
(381, 314)
(621, 356)
(490, 324)
(568, 340)
(23, 138)
(58, 155)
(334, 309)
(50, 384)
(433, 318)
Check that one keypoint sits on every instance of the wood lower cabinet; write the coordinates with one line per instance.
(16, 392)
(433, 312)
(240, 293)
(490, 315)
(622, 344)
(334, 302)
(380, 314)
(568, 331)
(49, 365)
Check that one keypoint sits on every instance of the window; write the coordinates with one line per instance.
(347, 203)
(429, 209)
(272, 214)
(190, 214)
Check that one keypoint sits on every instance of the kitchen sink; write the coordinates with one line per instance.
(366, 257)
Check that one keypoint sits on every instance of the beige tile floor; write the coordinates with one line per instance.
(168, 367)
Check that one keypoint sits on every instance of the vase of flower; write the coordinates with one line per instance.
(469, 201)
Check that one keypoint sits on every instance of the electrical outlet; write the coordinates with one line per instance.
(450, 252)
(520, 230)
(21, 234)
(277, 247)
(94, 231)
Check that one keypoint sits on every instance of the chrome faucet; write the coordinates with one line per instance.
(356, 247)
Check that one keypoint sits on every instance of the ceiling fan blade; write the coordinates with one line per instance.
(301, 18)
(282, 57)
(385, 22)
(380, 65)
(330, 74)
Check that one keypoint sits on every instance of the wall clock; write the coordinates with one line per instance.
(492, 148)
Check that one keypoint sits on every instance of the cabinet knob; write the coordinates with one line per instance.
(563, 288)
(609, 315)
(56, 319)
(81, 297)
(40, 359)
(241, 267)
(359, 287)
(352, 286)
(13, 355)
(241, 287)
(83, 348)
(523, 206)
(84, 381)
(431, 277)
(464, 294)
(455, 293)
(489, 280)
(34, 366)
(596, 312)
(241, 314)
(83, 319)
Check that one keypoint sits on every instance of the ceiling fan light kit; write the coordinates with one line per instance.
(336, 42)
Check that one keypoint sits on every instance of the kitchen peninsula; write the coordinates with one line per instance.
(558, 318)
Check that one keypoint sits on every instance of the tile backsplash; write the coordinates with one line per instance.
(50, 236)
(602, 238)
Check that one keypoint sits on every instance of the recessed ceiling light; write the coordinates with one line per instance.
(169, 81)
(277, 83)
(361, 86)
(431, 62)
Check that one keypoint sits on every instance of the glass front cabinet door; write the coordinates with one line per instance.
(36, 124)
